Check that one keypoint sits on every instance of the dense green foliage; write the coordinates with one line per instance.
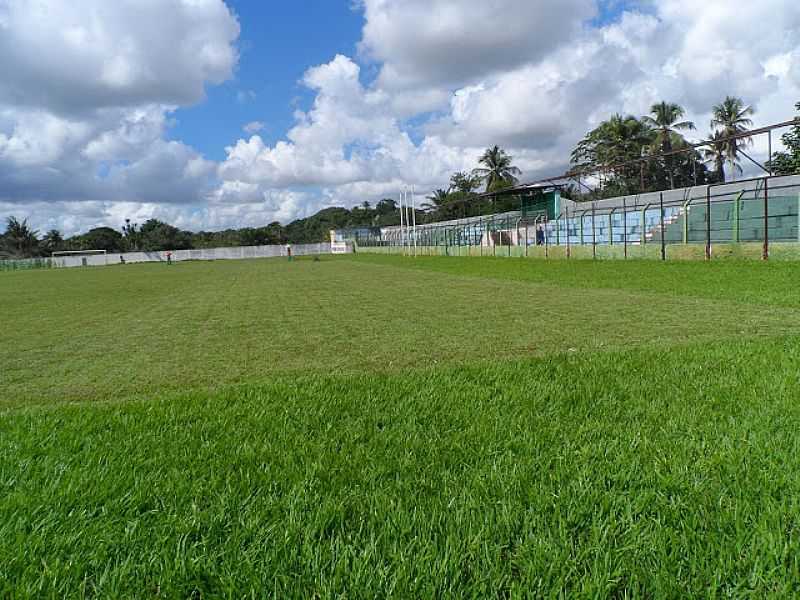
(787, 162)
(617, 150)
(388, 427)
(20, 241)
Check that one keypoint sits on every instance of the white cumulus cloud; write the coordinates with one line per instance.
(87, 93)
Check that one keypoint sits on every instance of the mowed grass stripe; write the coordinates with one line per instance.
(98, 334)
(664, 472)
(755, 282)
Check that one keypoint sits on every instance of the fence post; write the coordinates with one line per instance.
(625, 227)
(558, 229)
(583, 214)
(686, 222)
(594, 234)
(611, 227)
(643, 222)
(546, 240)
(508, 229)
(687, 206)
(566, 231)
(736, 216)
(708, 222)
(663, 240)
(765, 253)
(526, 237)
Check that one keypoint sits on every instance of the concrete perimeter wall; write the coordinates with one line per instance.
(777, 251)
(236, 253)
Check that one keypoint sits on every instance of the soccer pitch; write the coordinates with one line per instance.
(380, 426)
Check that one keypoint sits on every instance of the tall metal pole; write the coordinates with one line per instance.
(663, 241)
(594, 234)
(765, 253)
(708, 222)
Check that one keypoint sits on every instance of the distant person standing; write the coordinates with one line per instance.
(169, 257)
(540, 236)
(289, 251)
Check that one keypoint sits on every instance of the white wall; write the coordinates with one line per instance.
(236, 253)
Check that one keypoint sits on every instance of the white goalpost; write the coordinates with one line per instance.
(408, 220)
(79, 258)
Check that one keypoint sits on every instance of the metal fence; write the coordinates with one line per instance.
(750, 218)
(235, 253)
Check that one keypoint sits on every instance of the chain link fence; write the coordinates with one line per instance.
(758, 218)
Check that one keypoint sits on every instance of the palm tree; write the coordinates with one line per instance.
(732, 116)
(52, 241)
(715, 153)
(620, 139)
(497, 172)
(19, 239)
(437, 200)
(665, 119)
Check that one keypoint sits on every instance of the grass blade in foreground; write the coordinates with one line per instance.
(668, 473)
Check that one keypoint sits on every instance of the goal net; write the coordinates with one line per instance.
(80, 258)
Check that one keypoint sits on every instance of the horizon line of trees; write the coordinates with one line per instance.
(627, 141)
(20, 240)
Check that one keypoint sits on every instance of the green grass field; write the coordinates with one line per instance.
(378, 426)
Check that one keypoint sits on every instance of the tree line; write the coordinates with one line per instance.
(20, 240)
(617, 152)
(626, 155)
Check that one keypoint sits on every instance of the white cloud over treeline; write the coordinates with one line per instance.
(85, 102)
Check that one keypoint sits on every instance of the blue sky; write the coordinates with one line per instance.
(278, 42)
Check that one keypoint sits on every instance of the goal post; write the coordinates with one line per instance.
(79, 258)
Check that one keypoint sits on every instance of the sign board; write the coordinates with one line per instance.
(541, 203)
